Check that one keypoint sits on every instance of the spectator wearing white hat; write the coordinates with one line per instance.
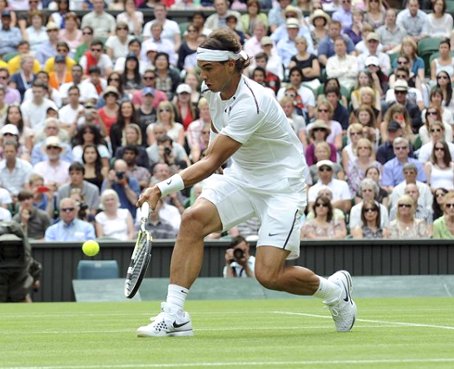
(372, 44)
(286, 47)
(342, 197)
(54, 170)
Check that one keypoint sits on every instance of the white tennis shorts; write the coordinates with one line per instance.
(280, 213)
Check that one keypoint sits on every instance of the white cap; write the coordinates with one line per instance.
(184, 87)
(9, 128)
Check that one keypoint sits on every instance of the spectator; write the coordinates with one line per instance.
(368, 191)
(71, 114)
(439, 23)
(133, 136)
(166, 116)
(12, 95)
(409, 49)
(286, 46)
(165, 150)
(141, 174)
(443, 226)
(344, 14)
(239, 263)
(356, 28)
(102, 22)
(43, 196)
(95, 171)
(134, 48)
(326, 45)
(439, 169)
(437, 135)
(117, 44)
(272, 66)
(25, 76)
(34, 221)
(422, 211)
(34, 110)
(325, 114)
(409, 97)
(342, 197)
(323, 152)
(132, 17)
(370, 220)
(372, 43)
(9, 35)
(219, 18)
(341, 65)
(14, 171)
(333, 95)
(307, 62)
(87, 38)
(126, 115)
(160, 227)
(365, 115)
(127, 188)
(375, 13)
(149, 80)
(198, 128)
(89, 191)
(318, 132)
(354, 133)
(90, 134)
(393, 169)
(297, 121)
(161, 44)
(14, 126)
(413, 20)
(364, 159)
(54, 169)
(170, 28)
(324, 225)
(113, 222)
(69, 228)
(188, 46)
(431, 115)
(276, 14)
(253, 16)
(168, 78)
(49, 48)
(319, 21)
(406, 226)
(95, 57)
(390, 34)
(5, 6)
(399, 114)
(109, 113)
(383, 196)
(439, 198)
(71, 34)
(35, 34)
(87, 90)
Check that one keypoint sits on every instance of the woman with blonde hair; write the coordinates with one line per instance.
(406, 226)
(113, 222)
(354, 133)
(323, 151)
(430, 115)
(365, 158)
(166, 116)
(308, 63)
(365, 79)
(375, 13)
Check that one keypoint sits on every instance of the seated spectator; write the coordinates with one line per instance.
(159, 226)
(368, 103)
(127, 188)
(358, 166)
(132, 17)
(439, 23)
(443, 227)
(438, 203)
(166, 116)
(49, 92)
(102, 22)
(323, 152)
(113, 222)
(354, 31)
(385, 151)
(308, 63)
(338, 215)
(342, 65)
(14, 171)
(332, 91)
(318, 132)
(391, 35)
(365, 79)
(43, 196)
(89, 134)
(149, 80)
(326, 45)
(323, 226)
(87, 38)
(409, 49)
(9, 35)
(169, 152)
(319, 21)
(431, 115)
(95, 170)
(70, 32)
(437, 136)
(239, 263)
(375, 13)
(370, 227)
(117, 44)
(410, 97)
(383, 196)
(168, 78)
(273, 67)
(439, 169)
(342, 197)
(422, 212)
(354, 134)
(36, 33)
(53, 169)
(109, 113)
(141, 174)
(406, 226)
(87, 90)
(368, 191)
(69, 228)
(34, 221)
(95, 57)
(126, 115)
(133, 136)
(393, 169)
(24, 77)
(197, 128)
(49, 48)
(297, 121)
(89, 191)
(14, 130)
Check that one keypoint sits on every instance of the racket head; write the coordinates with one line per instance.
(138, 265)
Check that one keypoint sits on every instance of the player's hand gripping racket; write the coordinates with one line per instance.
(141, 255)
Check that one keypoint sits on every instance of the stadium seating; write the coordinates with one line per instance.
(426, 47)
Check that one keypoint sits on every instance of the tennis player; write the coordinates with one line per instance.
(265, 178)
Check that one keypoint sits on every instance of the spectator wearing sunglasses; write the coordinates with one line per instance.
(406, 225)
(370, 227)
(444, 226)
(440, 169)
(69, 228)
(324, 226)
(437, 134)
(423, 208)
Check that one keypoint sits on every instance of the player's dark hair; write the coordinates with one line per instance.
(226, 39)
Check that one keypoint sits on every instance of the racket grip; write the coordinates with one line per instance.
(145, 209)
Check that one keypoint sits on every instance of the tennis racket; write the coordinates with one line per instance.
(141, 255)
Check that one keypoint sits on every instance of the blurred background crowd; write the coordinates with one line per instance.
(98, 100)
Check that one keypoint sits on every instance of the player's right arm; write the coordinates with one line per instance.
(222, 148)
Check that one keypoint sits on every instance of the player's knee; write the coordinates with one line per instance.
(267, 280)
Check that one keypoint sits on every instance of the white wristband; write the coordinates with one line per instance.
(171, 185)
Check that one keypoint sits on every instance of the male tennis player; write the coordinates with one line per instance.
(265, 179)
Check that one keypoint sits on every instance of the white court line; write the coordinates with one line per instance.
(405, 324)
(242, 364)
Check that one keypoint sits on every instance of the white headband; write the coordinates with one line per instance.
(219, 55)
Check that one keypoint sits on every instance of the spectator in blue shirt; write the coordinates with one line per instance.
(127, 188)
(9, 36)
(69, 228)
(326, 45)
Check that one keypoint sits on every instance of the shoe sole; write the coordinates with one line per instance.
(172, 334)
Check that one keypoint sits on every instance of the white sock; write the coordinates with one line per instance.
(328, 291)
(176, 295)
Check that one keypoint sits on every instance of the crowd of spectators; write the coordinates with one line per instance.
(96, 107)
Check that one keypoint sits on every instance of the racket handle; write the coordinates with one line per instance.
(145, 209)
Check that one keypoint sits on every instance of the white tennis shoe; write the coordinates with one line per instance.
(169, 322)
(343, 310)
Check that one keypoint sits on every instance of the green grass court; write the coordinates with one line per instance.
(279, 333)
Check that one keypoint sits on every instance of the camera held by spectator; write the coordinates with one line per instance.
(238, 261)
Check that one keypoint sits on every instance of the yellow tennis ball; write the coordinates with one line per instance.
(90, 248)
